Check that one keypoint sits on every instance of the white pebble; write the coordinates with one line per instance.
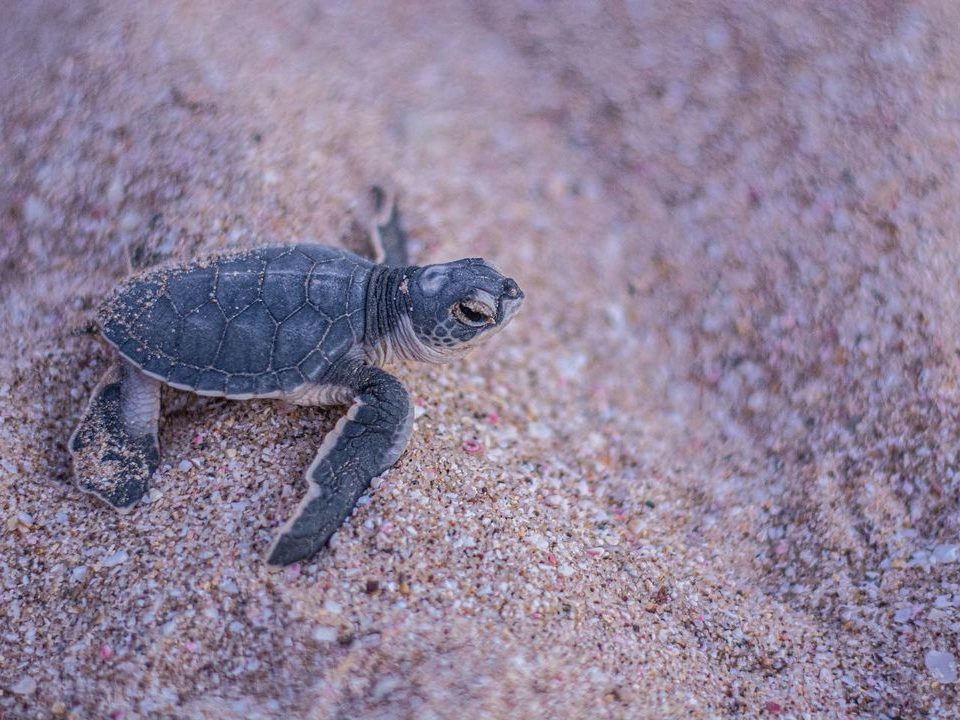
(539, 431)
(385, 686)
(538, 541)
(717, 37)
(325, 634)
(25, 686)
(116, 558)
(554, 500)
(945, 553)
(229, 586)
(79, 572)
(152, 495)
(185, 465)
(942, 665)
(332, 607)
(903, 615)
(566, 570)
(35, 211)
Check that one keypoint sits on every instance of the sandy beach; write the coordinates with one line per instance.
(710, 471)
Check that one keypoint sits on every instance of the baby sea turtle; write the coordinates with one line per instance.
(306, 324)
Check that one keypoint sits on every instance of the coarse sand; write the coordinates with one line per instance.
(711, 470)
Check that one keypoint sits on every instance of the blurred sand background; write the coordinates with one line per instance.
(711, 471)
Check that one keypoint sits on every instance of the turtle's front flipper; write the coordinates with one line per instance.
(377, 231)
(115, 448)
(367, 441)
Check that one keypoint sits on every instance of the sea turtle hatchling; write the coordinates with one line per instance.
(306, 324)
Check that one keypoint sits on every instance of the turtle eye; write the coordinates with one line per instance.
(473, 313)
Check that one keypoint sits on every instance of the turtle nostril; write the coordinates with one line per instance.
(510, 288)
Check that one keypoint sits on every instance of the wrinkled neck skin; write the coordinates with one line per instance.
(389, 333)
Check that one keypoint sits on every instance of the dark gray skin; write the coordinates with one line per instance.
(306, 324)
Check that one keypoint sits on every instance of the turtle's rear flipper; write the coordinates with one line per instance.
(115, 448)
(376, 231)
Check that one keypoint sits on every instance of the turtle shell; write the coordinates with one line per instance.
(255, 324)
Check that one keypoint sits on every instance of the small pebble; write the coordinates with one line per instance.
(185, 466)
(325, 634)
(538, 541)
(554, 500)
(116, 558)
(35, 211)
(24, 686)
(941, 665)
(472, 447)
(903, 615)
(539, 431)
(945, 553)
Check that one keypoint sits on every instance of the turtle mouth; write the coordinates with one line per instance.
(510, 302)
(509, 307)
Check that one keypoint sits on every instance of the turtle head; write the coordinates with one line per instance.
(453, 307)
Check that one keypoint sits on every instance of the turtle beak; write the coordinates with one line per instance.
(510, 301)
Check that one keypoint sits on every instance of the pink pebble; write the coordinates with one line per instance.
(494, 418)
(292, 571)
(773, 708)
(197, 439)
(106, 652)
(472, 447)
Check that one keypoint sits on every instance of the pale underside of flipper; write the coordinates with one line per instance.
(115, 448)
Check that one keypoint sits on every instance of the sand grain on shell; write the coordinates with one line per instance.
(710, 471)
